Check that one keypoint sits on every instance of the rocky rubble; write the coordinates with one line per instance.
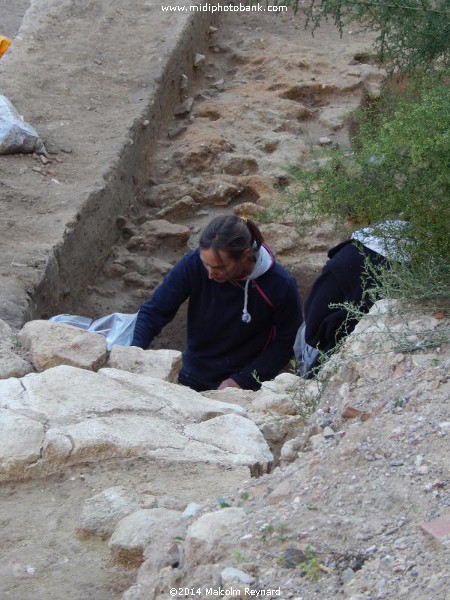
(351, 515)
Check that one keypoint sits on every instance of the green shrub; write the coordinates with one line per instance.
(410, 35)
(400, 170)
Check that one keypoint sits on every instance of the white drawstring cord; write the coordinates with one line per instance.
(246, 316)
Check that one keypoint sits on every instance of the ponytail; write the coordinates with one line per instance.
(231, 234)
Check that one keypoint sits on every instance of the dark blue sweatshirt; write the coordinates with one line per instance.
(219, 344)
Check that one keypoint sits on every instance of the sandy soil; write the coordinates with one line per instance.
(11, 14)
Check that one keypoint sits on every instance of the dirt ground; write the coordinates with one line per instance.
(282, 90)
(11, 14)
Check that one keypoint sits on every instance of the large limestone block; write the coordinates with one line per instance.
(234, 434)
(118, 436)
(114, 414)
(11, 364)
(136, 531)
(181, 403)
(20, 443)
(66, 395)
(53, 344)
(102, 512)
(162, 364)
(211, 537)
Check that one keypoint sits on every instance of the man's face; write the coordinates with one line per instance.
(221, 267)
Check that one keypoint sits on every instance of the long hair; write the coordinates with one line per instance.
(232, 235)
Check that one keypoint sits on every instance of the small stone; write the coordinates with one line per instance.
(212, 29)
(347, 575)
(232, 575)
(328, 432)
(396, 463)
(219, 82)
(191, 509)
(175, 130)
(422, 470)
(325, 141)
(184, 108)
(183, 82)
(199, 59)
(146, 123)
(66, 150)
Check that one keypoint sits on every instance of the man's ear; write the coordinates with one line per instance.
(248, 253)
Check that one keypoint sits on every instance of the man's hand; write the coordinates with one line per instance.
(228, 383)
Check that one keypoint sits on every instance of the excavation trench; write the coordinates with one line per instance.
(75, 232)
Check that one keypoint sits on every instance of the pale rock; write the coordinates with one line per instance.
(162, 234)
(102, 512)
(161, 364)
(115, 414)
(183, 81)
(210, 538)
(280, 238)
(20, 444)
(328, 433)
(11, 364)
(265, 401)
(240, 165)
(286, 381)
(135, 531)
(289, 451)
(232, 575)
(118, 436)
(181, 209)
(191, 510)
(276, 429)
(184, 108)
(281, 492)
(199, 59)
(248, 210)
(177, 403)
(333, 117)
(316, 441)
(175, 131)
(164, 193)
(233, 395)
(217, 192)
(52, 344)
(237, 435)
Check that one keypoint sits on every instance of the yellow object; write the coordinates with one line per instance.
(4, 44)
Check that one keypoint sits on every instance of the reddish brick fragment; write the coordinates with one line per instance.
(439, 528)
